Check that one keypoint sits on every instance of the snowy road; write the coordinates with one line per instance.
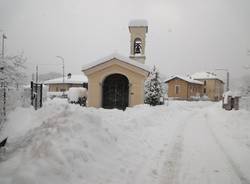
(182, 143)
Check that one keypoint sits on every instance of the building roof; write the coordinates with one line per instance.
(187, 79)
(139, 23)
(205, 75)
(74, 79)
(120, 58)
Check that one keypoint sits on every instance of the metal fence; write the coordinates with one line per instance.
(36, 95)
(2, 102)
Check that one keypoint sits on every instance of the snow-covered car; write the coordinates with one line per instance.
(77, 95)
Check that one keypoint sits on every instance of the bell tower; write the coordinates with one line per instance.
(138, 30)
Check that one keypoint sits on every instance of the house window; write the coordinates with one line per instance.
(204, 90)
(205, 82)
(177, 89)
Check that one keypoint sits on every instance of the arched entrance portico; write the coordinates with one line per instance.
(115, 92)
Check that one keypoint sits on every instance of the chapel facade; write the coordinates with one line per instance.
(117, 81)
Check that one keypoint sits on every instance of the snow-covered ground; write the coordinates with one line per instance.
(184, 142)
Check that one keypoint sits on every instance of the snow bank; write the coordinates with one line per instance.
(64, 143)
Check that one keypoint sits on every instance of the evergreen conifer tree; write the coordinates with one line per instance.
(153, 89)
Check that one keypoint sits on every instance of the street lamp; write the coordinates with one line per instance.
(226, 70)
(62, 59)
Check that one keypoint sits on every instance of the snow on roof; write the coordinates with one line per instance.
(74, 79)
(205, 75)
(120, 58)
(138, 23)
(188, 79)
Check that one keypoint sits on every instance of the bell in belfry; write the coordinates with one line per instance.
(138, 48)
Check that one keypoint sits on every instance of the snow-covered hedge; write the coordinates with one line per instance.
(59, 94)
(245, 103)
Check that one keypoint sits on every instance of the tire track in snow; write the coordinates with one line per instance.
(163, 166)
(171, 166)
(233, 165)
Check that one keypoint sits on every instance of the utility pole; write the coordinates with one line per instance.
(226, 70)
(3, 38)
(36, 73)
(62, 59)
(227, 81)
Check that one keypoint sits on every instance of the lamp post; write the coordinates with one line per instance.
(62, 59)
(226, 70)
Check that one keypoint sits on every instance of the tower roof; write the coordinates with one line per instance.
(139, 23)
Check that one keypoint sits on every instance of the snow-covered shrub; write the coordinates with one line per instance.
(195, 98)
(245, 85)
(204, 98)
(13, 70)
(153, 89)
(14, 76)
(245, 103)
(58, 94)
(14, 98)
(77, 95)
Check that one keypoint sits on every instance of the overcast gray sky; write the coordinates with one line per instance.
(185, 36)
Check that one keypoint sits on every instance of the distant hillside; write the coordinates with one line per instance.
(48, 76)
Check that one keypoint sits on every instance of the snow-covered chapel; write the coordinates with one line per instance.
(117, 81)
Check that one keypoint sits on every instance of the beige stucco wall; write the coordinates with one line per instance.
(183, 94)
(187, 90)
(195, 90)
(97, 74)
(214, 89)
